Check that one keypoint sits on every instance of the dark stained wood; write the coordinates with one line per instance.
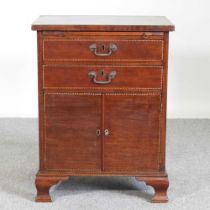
(131, 146)
(102, 23)
(63, 77)
(132, 107)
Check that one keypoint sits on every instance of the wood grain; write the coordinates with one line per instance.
(70, 50)
(70, 132)
(67, 76)
(133, 122)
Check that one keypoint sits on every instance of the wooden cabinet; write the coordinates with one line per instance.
(102, 99)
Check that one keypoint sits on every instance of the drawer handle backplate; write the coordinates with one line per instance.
(112, 48)
(111, 75)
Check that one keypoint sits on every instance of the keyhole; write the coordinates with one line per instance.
(103, 47)
(102, 73)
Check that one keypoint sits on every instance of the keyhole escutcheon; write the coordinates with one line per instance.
(106, 132)
(103, 47)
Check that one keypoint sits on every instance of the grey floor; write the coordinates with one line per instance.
(188, 164)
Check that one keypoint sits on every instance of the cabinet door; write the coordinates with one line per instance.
(71, 122)
(134, 132)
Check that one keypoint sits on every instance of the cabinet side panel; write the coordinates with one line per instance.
(164, 103)
(40, 99)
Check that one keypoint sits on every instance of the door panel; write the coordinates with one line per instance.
(70, 131)
(133, 142)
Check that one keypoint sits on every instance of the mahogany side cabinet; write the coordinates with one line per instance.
(102, 87)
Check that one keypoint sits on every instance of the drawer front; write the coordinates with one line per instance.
(98, 77)
(98, 50)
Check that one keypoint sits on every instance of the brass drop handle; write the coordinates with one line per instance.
(112, 48)
(106, 132)
(110, 76)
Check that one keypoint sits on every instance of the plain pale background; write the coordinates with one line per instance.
(189, 61)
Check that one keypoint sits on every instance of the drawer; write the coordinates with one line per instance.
(133, 50)
(96, 77)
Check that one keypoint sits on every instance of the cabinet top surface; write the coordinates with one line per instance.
(102, 23)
